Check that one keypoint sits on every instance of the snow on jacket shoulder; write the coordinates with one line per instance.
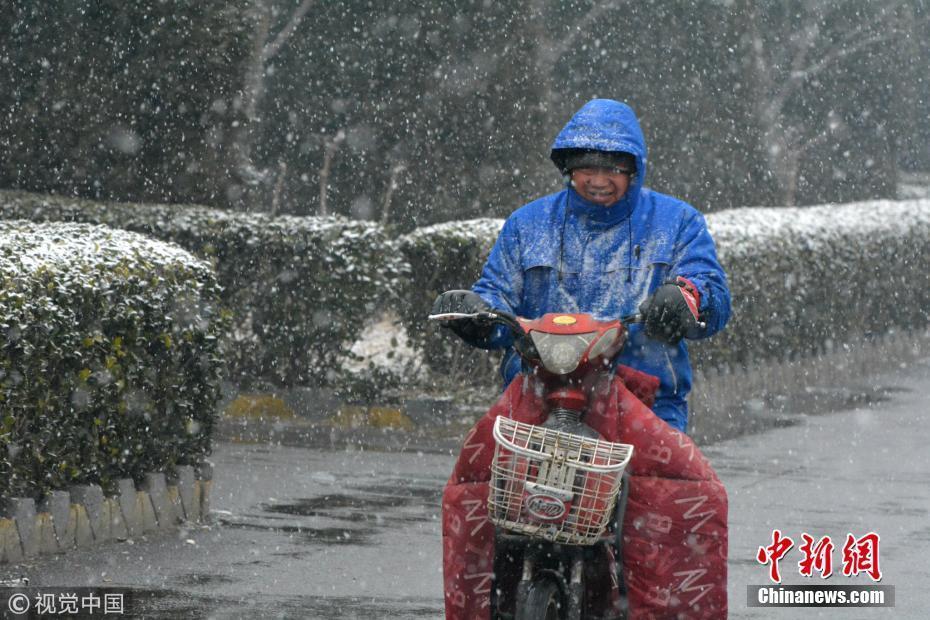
(561, 253)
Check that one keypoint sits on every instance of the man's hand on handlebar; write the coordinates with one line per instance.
(463, 302)
(671, 313)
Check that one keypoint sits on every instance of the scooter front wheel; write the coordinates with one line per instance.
(543, 602)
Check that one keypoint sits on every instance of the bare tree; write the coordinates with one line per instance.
(547, 41)
(551, 45)
(779, 70)
(330, 147)
(264, 49)
(278, 187)
(396, 170)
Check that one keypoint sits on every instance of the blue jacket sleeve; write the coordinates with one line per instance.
(695, 258)
(501, 284)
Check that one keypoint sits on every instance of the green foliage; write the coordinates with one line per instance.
(299, 289)
(111, 356)
(443, 257)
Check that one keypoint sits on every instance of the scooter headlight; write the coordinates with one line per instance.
(561, 353)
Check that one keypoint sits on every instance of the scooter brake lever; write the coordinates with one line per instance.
(639, 318)
(452, 316)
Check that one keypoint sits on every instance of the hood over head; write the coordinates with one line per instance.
(604, 125)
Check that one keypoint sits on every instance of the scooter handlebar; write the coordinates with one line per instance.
(498, 316)
(490, 316)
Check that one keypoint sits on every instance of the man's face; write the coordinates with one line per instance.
(603, 186)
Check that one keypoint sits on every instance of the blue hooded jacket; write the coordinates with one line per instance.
(562, 253)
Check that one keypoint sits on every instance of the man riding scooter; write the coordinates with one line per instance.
(609, 247)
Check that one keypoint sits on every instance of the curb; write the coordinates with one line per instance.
(444, 441)
(83, 516)
(295, 406)
(422, 425)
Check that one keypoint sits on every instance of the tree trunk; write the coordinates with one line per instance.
(329, 152)
(245, 191)
(389, 193)
(244, 175)
(278, 187)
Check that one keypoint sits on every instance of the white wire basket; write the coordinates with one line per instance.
(554, 485)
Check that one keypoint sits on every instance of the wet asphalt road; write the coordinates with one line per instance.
(865, 469)
(306, 533)
(299, 533)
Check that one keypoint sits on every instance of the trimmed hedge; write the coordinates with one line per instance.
(299, 288)
(111, 356)
(445, 256)
(802, 279)
(812, 278)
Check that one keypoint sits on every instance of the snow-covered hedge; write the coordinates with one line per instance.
(299, 288)
(802, 278)
(808, 278)
(443, 257)
(110, 364)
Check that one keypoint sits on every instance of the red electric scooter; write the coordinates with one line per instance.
(554, 488)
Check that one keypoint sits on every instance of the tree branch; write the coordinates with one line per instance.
(837, 54)
(799, 76)
(800, 54)
(275, 46)
(764, 86)
(804, 45)
(565, 43)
